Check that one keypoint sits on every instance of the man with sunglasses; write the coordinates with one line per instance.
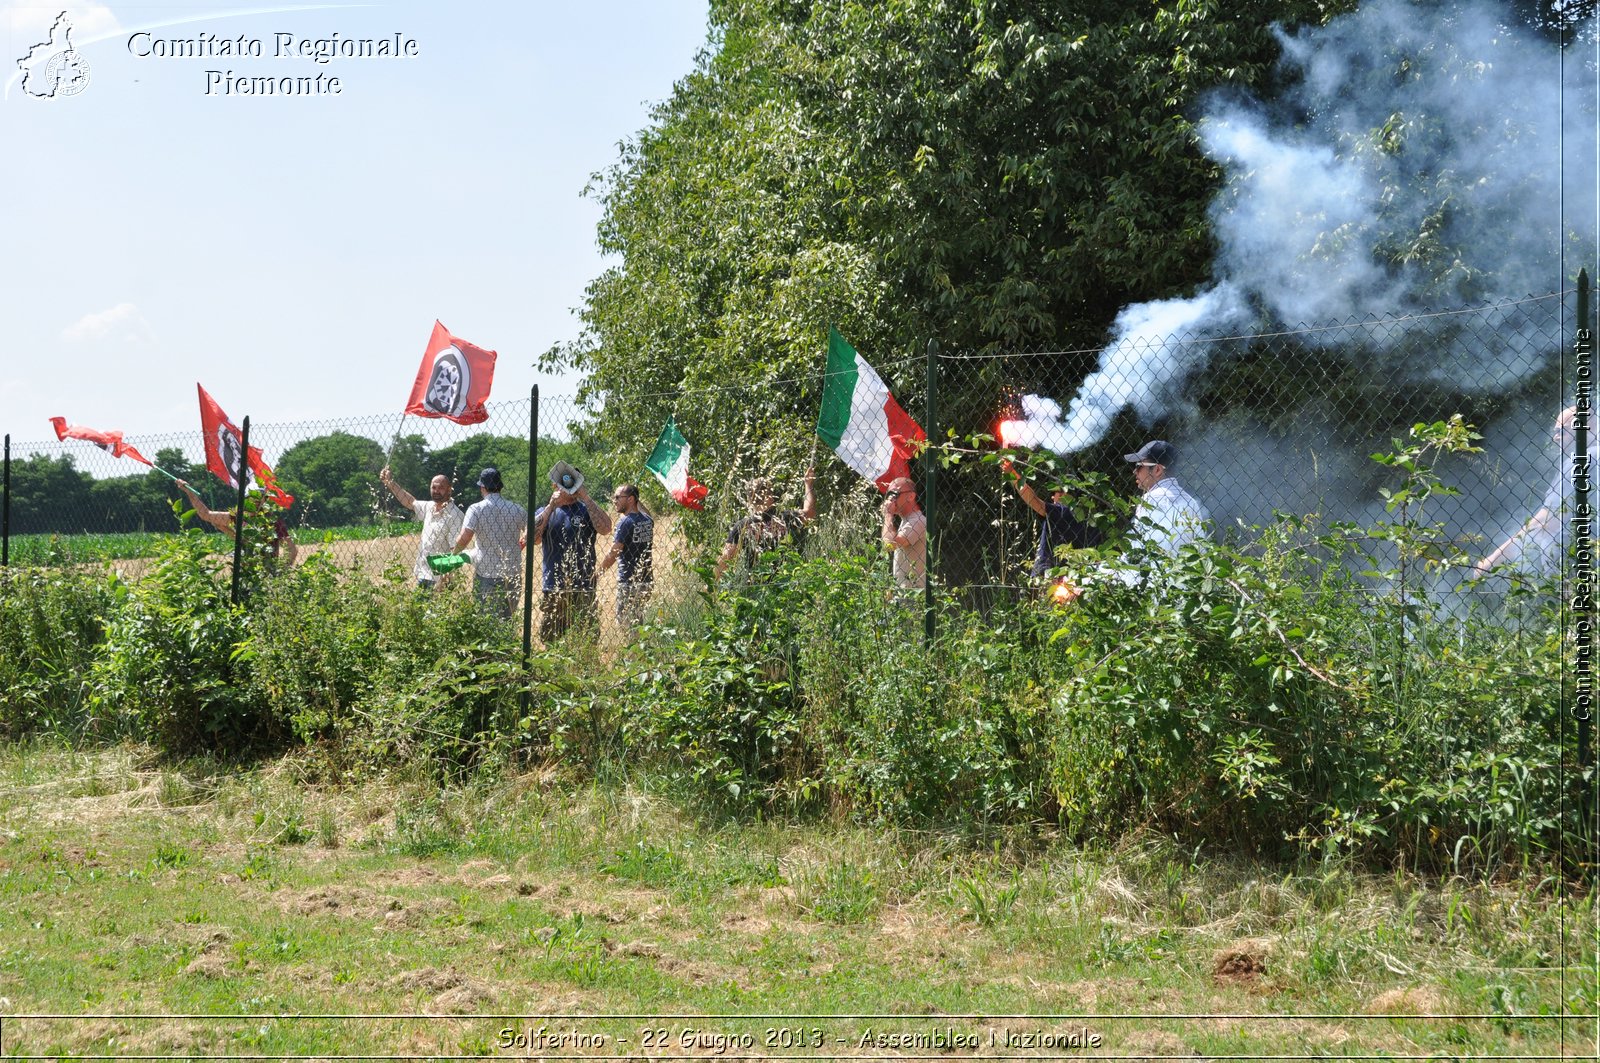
(1167, 518)
(905, 531)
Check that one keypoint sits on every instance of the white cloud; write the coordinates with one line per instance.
(121, 322)
(29, 20)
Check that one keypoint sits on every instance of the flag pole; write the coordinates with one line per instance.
(395, 438)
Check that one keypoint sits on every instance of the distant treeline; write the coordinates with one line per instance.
(333, 477)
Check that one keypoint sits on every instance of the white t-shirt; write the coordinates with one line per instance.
(440, 530)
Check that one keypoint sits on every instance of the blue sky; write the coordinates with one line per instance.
(292, 252)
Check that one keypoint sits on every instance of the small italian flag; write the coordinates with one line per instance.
(860, 419)
(670, 462)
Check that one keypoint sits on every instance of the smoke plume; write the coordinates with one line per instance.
(1414, 162)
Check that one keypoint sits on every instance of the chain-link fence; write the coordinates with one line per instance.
(1261, 424)
(1286, 422)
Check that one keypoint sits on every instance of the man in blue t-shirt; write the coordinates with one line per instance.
(566, 528)
(1059, 527)
(632, 551)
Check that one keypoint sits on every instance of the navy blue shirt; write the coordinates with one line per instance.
(636, 532)
(1060, 528)
(568, 549)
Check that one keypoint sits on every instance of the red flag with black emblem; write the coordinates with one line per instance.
(223, 439)
(111, 441)
(454, 380)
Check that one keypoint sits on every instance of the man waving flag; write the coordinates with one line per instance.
(222, 440)
(860, 419)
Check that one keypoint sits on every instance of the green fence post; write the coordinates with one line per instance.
(527, 555)
(5, 511)
(1582, 524)
(238, 516)
(929, 466)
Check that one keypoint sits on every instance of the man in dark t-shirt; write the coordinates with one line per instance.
(633, 552)
(1059, 528)
(767, 527)
(566, 528)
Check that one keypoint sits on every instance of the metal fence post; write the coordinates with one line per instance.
(1582, 522)
(527, 556)
(238, 516)
(5, 511)
(929, 465)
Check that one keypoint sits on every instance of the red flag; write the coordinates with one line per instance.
(222, 439)
(454, 380)
(108, 441)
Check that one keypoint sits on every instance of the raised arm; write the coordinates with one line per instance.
(808, 507)
(729, 552)
(600, 518)
(223, 522)
(406, 498)
(1024, 490)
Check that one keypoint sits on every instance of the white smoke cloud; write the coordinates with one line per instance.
(1414, 163)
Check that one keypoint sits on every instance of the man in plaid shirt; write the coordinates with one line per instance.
(496, 524)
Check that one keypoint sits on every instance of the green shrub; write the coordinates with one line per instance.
(167, 668)
(51, 621)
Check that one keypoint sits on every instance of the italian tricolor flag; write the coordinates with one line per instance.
(860, 419)
(670, 462)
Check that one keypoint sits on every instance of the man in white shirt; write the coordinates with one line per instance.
(905, 531)
(441, 522)
(1167, 518)
(1537, 546)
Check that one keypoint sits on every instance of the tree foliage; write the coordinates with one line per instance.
(992, 173)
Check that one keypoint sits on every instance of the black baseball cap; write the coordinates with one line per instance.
(1156, 452)
(490, 479)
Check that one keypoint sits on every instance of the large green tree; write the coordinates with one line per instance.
(333, 478)
(984, 174)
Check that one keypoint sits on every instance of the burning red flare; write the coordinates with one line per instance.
(1063, 593)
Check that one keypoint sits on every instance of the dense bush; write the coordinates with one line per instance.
(1285, 697)
(166, 670)
(381, 671)
(1265, 698)
(51, 620)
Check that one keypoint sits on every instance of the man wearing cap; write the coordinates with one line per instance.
(441, 522)
(497, 525)
(566, 529)
(905, 531)
(1167, 518)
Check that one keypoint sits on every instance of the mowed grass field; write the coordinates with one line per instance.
(150, 909)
